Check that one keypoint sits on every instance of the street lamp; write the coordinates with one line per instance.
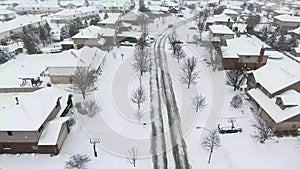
(94, 141)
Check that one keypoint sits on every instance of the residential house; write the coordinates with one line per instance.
(68, 15)
(221, 19)
(276, 92)
(71, 4)
(112, 6)
(282, 12)
(62, 73)
(231, 13)
(221, 31)
(94, 36)
(32, 122)
(244, 51)
(287, 21)
(296, 52)
(15, 26)
(133, 17)
(111, 22)
(37, 8)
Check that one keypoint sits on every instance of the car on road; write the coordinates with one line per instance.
(170, 26)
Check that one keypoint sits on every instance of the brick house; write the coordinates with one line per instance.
(243, 51)
(275, 89)
(32, 122)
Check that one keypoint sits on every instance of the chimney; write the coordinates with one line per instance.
(261, 54)
(17, 101)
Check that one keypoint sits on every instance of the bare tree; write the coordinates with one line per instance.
(263, 131)
(202, 17)
(141, 61)
(173, 40)
(214, 60)
(143, 21)
(78, 161)
(236, 101)
(132, 156)
(139, 96)
(211, 142)
(199, 102)
(235, 78)
(84, 81)
(189, 73)
(178, 52)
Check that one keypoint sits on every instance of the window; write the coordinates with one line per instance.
(6, 147)
(35, 147)
(247, 57)
(9, 133)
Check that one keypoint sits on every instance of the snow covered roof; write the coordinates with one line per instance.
(112, 18)
(38, 5)
(230, 12)
(221, 29)
(51, 131)
(32, 65)
(271, 108)
(243, 45)
(274, 54)
(297, 50)
(32, 111)
(296, 31)
(282, 11)
(288, 18)
(286, 71)
(67, 2)
(19, 22)
(84, 57)
(290, 97)
(77, 12)
(219, 18)
(94, 32)
(132, 16)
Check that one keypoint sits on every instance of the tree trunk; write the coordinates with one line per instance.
(210, 153)
(83, 95)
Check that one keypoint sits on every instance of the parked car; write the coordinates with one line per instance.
(127, 43)
(170, 26)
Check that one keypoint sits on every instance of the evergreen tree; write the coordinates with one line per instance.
(43, 35)
(281, 44)
(73, 29)
(29, 42)
(272, 40)
(78, 23)
(64, 32)
(264, 33)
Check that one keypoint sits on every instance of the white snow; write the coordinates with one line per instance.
(243, 46)
(221, 29)
(94, 32)
(51, 131)
(287, 72)
(271, 108)
(32, 111)
(20, 22)
(287, 18)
